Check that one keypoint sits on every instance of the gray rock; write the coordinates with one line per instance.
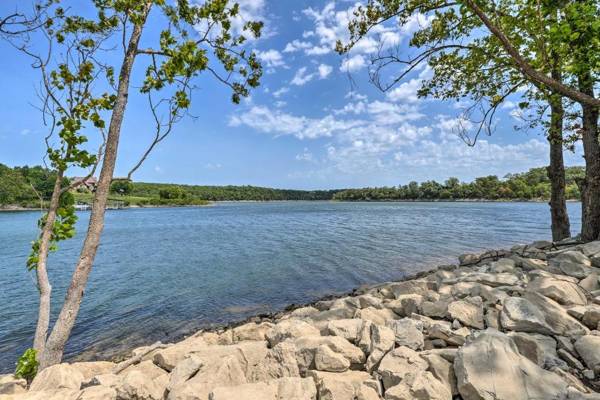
(591, 249)
(588, 347)
(399, 363)
(382, 341)
(419, 386)
(9, 384)
(283, 388)
(563, 292)
(467, 313)
(443, 370)
(591, 316)
(590, 283)
(538, 348)
(489, 367)
(406, 304)
(328, 360)
(346, 385)
(408, 332)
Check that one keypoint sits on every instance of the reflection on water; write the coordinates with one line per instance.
(163, 272)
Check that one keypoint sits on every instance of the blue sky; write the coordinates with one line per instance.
(315, 122)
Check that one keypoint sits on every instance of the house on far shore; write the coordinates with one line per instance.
(88, 183)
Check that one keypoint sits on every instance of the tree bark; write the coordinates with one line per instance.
(590, 187)
(561, 227)
(68, 314)
(44, 287)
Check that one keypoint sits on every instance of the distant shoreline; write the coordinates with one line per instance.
(14, 208)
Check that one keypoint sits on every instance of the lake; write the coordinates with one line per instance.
(164, 272)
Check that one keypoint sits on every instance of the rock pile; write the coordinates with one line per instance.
(504, 325)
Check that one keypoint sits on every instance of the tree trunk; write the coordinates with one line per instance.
(561, 227)
(590, 187)
(68, 314)
(44, 287)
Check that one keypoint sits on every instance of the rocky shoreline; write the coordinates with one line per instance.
(502, 325)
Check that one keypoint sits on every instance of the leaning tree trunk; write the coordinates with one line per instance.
(590, 186)
(66, 319)
(561, 227)
(43, 283)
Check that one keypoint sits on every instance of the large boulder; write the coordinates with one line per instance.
(398, 363)
(490, 367)
(59, 376)
(349, 385)
(538, 314)
(382, 341)
(406, 304)
(588, 347)
(290, 329)
(328, 360)
(251, 331)
(572, 263)
(349, 329)
(468, 313)
(284, 388)
(136, 385)
(408, 332)
(9, 384)
(228, 365)
(306, 348)
(561, 291)
(419, 386)
(442, 370)
(169, 357)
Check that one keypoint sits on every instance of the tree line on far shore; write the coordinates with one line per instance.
(26, 186)
(531, 185)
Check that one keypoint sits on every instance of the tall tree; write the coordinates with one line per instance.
(194, 39)
(470, 62)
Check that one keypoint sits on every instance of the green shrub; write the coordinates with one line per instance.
(27, 365)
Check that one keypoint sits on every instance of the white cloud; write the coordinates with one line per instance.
(25, 132)
(305, 156)
(281, 91)
(353, 64)
(213, 166)
(296, 45)
(324, 70)
(405, 92)
(271, 58)
(302, 77)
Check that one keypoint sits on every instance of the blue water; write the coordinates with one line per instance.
(163, 272)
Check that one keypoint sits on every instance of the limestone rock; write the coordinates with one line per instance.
(291, 328)
(408, 332)
(9, 384)
(376, 316)
(307, 346)
(136, 385)
(328, 360)
(284, 388)
(538, 314)
(419, 386)
(251, 331)
(442, 370)
(349, 385)
(489, 367)
(349, 329)
(435, 309)
(588, 347)
(591, 249)
(467, 313)
(540, 349)
(590, 283)
(591, 316)
(406, 304)
(382, 341)
(563, 292)
(59, 376)
(168, 358)
(398, 363)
